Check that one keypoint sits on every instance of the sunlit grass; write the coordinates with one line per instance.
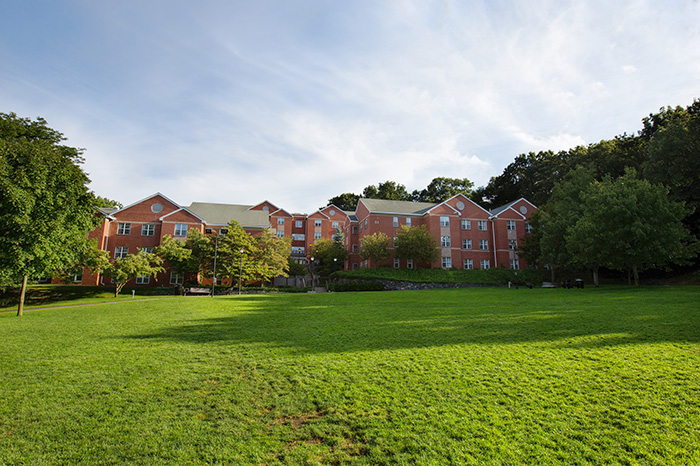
(468, 376)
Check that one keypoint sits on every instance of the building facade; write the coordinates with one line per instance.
(470, 237)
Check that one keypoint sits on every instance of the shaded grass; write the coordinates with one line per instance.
(63, 295)
(493, 276)
(468, 376)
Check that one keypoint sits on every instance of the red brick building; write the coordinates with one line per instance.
(470, 237)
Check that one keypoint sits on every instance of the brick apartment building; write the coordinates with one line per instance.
(470, 236)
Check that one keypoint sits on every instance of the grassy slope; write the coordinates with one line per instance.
(469, 376)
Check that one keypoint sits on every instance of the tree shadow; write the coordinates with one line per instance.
(402, 320)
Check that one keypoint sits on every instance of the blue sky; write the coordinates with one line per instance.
(298, 101)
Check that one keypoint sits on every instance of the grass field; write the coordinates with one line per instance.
(467, 376)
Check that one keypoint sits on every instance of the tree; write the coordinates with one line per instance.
(46, 209)
(328, 256)
(105, 202)
(416, 243)
(345, 201)
(375, 247)
(123, 269)
(271, 255)
(236, 255)
(387, 190)
(631, 224)
(440, 189)
(176, 254)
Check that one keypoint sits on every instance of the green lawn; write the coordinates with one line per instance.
(466, 376)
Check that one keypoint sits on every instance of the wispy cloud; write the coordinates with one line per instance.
(299, 101)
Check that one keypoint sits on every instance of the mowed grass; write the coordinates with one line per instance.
(468, 376)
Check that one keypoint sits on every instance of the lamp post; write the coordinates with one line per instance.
(213, 279)
(240, 271)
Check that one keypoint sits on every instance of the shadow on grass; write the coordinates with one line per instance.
(378, 321)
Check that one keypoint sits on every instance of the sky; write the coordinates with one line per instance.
(297, 101)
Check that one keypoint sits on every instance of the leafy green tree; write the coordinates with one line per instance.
(557, 217)
(375, 247)
(236, 255)
(271, 254)
(176, 254)
(295, 268)
(345, 201)
(416, 243)
(105, 202)
(630, 223)
(673, 158)
(46, 209)
(141, 264)
(328, 256)
(389, 190)
(440, 189)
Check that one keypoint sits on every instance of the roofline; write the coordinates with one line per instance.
(147, 198)
(183, 209)
(280, 210)
(465, 197)
(255, 205)
(337, 209)
(441, 203)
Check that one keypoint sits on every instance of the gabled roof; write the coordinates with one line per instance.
(222, 214)
(182, 209)
(500, 209)
(147, 198)
(107, 211)
(384, 206)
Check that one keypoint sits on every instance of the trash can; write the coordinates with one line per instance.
(579, 283)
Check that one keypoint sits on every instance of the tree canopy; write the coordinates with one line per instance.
(416, 243)
(46, 208)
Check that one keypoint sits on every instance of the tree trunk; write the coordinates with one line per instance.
(22, 292)
(635, 271)
(595, 277)
(551, 270)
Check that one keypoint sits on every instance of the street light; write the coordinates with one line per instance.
(240, 270)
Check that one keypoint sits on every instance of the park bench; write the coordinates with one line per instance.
(548, 285)
(197, 291)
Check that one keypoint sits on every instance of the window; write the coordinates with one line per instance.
(365, 224)
(180, 229)
(481, 225)
(355, 248)
(528, 228)
(397, 263)
(77, 278)
(446, 262)
(317, 235)
(176, 278)
(280, 221)
(408, 222)
(445, 241)
(409, 263)
(298, 237)
(223, 231)
(280, 233)
(208, 231)
(466, 224)
(297, 250)
(354, 229)
(466, 244)
(512, 244)
(148, 229)
(444, 221)
(468, 264)
(355, 266)
(334, 225)
(483, 245)
(514, 264)
(510, 224)
(485, 264)
(147, 250)
(396, 221)
(298, 224)
(143, 280)
(120, 251)
(124, 229)
(317, 223)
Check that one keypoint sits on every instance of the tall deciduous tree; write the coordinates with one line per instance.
(123, 269)
(46, 208)
(345, 201)
(272, 256)
(440, 189)
(630, 224)
(416, 243)
(375, 247)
